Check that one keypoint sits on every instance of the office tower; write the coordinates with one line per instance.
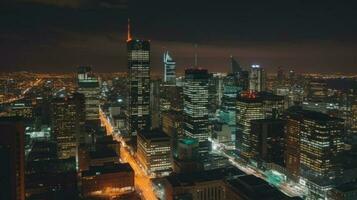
(171, 98)
(292, 141)
(257, 79)
(229, 98)
(317, 90)
(268, 141)
(273, 105)
(241, 76)
(67, 115)
(235, 67)
(88, 85)
(155, 104)
(172, 123)
(187, 158)
(313, 149)
(249, 107)
(213, 82)
(139, 84)
(169, 69)
(12, 154)
(154, 152)
(280, 76)
(196, 104)
(321, 147)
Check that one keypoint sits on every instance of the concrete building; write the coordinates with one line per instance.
(154, 152)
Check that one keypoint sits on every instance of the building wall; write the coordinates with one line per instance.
(139, 85)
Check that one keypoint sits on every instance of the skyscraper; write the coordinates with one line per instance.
(241, 76)
(12, 156)
(248, 108)
(66, 124)
(235, 67)
(321, 147)
(196, 104)
(268, 141)
(88, 85)
(257, 78)
(314, 146)
(139, 84)
(169, 69)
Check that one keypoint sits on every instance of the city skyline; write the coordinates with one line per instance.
(166, 100)
(42, 35)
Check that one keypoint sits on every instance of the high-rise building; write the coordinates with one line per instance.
(154, 152)
(292, 143)
(171, 98)
(196, 104)
(12, 154)
(257, 79)
(321, 147)
(172, 125)
(139, 84)
(314, 146)
(273, 105)
(88, 85)
(169, 69)
(280, 76)
(317, 90)
(155, 104)
(249, 107)
(268, 141)
(241, 76)
(67, 123)
(235, 66)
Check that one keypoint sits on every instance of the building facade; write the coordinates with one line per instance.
(248, 108)
(12, 153)
(88, 85)
(139, 85)
(257, 79)
(169, 69)
(154, 152)
(195, 93)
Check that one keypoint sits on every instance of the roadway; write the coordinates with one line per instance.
(143, 183)
(24, 92)
(291, 189)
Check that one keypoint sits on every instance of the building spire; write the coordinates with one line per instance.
(129, 31)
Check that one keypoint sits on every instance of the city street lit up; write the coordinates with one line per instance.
(178, 100)
(142, 181)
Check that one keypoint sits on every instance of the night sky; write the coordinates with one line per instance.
(305, 35)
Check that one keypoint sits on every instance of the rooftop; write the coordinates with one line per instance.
(102, 152)
(153, 134)
(255, 188)
(189, 179)
(108, 169)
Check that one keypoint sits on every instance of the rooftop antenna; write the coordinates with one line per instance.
(129, 31)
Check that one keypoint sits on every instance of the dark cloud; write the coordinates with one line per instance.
(51, 35)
